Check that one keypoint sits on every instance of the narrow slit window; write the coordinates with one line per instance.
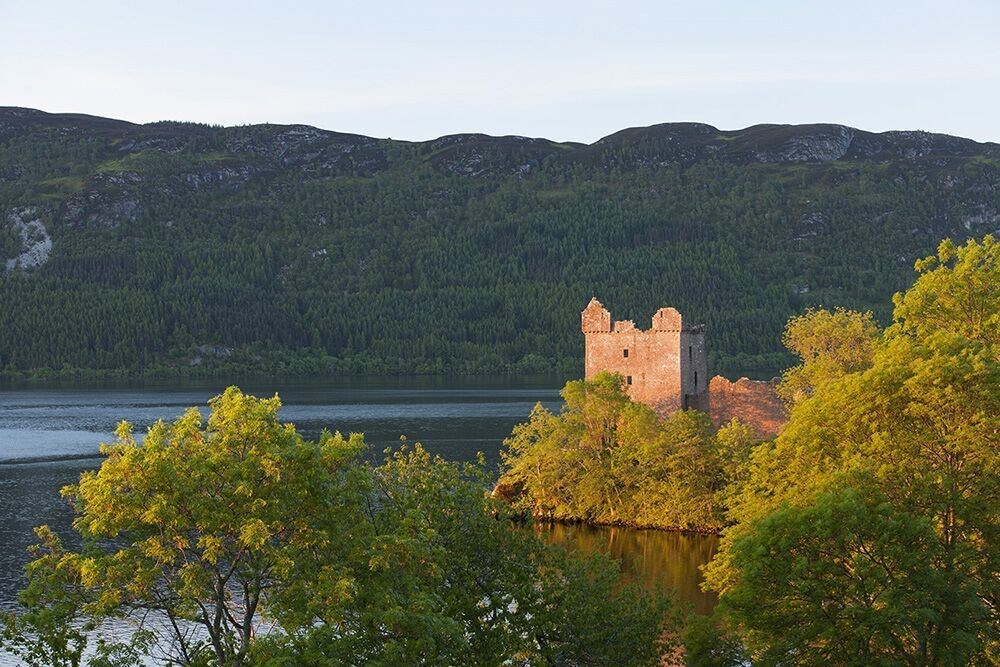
(690, 353)
(696, 379)
(628, 380)
(625, 353)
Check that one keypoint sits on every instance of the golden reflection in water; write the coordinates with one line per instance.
(672, 558)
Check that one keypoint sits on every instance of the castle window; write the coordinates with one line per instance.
(696, 379)
(690, 354)
(625, 353)
(628, 380)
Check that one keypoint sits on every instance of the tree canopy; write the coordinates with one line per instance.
(830, 345)
(234, 541)
(185, 249)
(608, 459)
(869, 528)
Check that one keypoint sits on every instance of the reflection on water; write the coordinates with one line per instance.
(670, 558)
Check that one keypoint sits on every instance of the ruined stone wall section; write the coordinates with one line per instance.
(667, 319)
(753, 402)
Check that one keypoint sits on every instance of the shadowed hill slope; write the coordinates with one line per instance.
(180, 247)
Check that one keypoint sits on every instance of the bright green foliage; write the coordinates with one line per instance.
(449, 582)
(443, 580)
(607, 459)
(830, 345)
(51, 610)
(218, 524)
(220, 530)
(959, 293)
(921, 428)
(50, 630)
(591, 617)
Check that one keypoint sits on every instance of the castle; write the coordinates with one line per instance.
(666, 367)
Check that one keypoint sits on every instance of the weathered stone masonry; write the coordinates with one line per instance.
(666, 367)
(753, 402)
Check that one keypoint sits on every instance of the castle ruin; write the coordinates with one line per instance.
(666, 367)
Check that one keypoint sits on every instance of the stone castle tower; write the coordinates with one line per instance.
(665, 367)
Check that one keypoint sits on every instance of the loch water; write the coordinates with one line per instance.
(50, 433)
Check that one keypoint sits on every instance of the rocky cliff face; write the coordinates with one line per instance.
(483, 155)
(200, 157)
(687, 143)
(36, 245)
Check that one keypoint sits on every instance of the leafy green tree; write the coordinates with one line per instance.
(251, 545)
(589, 616)
(734, 444)
(447, 582)
(674, 476)
(851, 579)
(48, 632)
(607, 459)
(211, 524)
(956, 293)
(923, 425)
(708, 642)
(560, 461)
(450, 582)
(830, 345)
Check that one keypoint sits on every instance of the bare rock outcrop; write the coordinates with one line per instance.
(36, 243)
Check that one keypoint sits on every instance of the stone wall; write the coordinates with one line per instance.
(651, 369)
(753, 402)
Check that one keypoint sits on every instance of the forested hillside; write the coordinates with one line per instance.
(182, 248)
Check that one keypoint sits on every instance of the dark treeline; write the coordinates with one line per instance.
(200, 249)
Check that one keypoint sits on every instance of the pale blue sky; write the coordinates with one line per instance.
(564, 70)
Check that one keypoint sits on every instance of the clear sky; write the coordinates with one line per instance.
(564, 70)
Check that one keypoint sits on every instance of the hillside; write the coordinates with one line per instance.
(172, 248)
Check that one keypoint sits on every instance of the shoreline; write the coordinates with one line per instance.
(631, 526)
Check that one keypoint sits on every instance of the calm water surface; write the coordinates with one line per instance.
(48, 435)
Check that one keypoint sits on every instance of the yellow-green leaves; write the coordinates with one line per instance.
(212, 548)
(226, 522)
(254, 534)
(957, 293)
(212, 516)
(831, 344)
(607, 459)
(908, 439)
